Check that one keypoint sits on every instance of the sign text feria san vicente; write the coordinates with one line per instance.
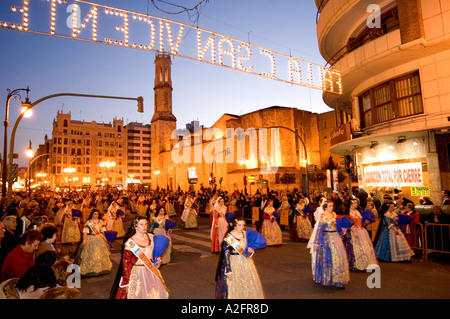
(98, 23)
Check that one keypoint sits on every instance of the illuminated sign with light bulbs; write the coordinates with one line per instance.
(130, 29)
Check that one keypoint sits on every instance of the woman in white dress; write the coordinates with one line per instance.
(270, 228)
(138, 274)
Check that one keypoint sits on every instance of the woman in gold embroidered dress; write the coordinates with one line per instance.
(188, 219)
(270, 228)
(71, 227)
(93, 255)
(236, 275)
(134, 279)
(359, 247)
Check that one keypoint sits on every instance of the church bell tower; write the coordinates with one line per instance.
(163, 122)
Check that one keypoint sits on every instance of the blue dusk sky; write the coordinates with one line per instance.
(201, 91)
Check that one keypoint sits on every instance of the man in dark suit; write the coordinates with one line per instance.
(401, 196)
(362, 196)
(376, 202)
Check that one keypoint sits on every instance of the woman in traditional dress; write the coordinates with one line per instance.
(99, 200)
(236, 275)
(86, 208)
(392, 245)
(301, 228)
(138, 276)
(317, 214)
(331, 264)
(219, 226)
(93, 255)
(270, 228)
(188, 219)
(113, 219)
(59, 214)
(158, 227)
(212, 203)
(412, 234)
(357, 242)
(141, 206)
(71, 225)
(170, 209)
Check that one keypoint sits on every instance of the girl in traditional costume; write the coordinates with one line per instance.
(59, 214)
(301, 228)
(138, 275)
(317, 214)
(270, 228)
(113, 219)
(219, 225)
(357, 242)
(86, 208)
(392, 245)
(331, 264)
(71, 221)
(93, 255)
(189, 217)
(141, 206)
(236, 275)
(162, 225)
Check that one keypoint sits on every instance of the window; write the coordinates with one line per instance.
(393, 99)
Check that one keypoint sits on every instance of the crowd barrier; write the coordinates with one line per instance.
(437, 238)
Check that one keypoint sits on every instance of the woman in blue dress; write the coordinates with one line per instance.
(392, 245)
(331, 265)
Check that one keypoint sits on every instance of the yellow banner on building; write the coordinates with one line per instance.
(420, 191)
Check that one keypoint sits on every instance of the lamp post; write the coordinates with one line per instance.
(140, 106)
(107, 164)
(30, 153)
(69, 170)
(244, 164)
(157, 173)
(11, 94)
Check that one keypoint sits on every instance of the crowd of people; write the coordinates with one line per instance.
(344, 232)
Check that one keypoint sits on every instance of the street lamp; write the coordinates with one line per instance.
(107, 164)
(244, 164)
(157, 173)
(11, 94)
(69, 170)
(140, 106)
(30, 153)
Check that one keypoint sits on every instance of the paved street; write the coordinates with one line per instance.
(285, 273)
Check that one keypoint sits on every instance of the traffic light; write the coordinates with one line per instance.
(349, 164)
(214, 180)
(221, 180)
(210, 180)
